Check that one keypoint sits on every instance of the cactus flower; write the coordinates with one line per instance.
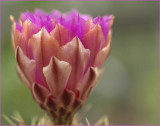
(59, 57)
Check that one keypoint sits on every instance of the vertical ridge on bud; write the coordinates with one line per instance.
(26, 66)
(55, 74)
(75, 54)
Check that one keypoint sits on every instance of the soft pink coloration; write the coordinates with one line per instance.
(59, 58)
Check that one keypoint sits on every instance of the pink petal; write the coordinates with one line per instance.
(39, 92)
(89, 25)
(50, 46)
(89, 81)
(28, 29)
(18, 39)
(41, 52)
(104, 53)
(94, 40)
(75, 54)
(61, 34)
(27, 66)
(23, 77)
(57, 74)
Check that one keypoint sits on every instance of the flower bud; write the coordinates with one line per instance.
(59, 57)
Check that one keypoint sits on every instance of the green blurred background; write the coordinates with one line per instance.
(128, 92)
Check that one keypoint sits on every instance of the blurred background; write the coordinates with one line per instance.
(128, 92)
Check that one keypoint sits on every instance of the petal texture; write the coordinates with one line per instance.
(89, 81)
(26, 66)
(62, 35)
(18, 39)
(75, 54)
(23, 77)
(50, 46)
(94, 40)
(28, 29)
(104, 53)
(35, 52)
(42, 47)
(57, 74)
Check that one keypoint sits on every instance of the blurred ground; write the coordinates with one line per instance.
(128, 92)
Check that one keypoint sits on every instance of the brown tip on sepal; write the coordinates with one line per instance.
(39, 92)
(67, 97)
(50, 103)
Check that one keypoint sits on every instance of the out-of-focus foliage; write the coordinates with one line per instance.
(128, 92)
(45, 120)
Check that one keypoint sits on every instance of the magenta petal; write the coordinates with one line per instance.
(57, 74)
(56, 14)
(75, 23)
(105, 22)
(39, 18)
